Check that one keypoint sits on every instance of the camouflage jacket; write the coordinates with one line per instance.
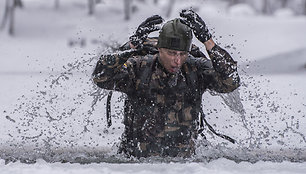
(162, 109)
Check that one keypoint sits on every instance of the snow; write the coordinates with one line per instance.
(241, 10)
(48, 112)
(284, 12)
(221, 166)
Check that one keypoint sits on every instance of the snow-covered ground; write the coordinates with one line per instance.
(220, 166)
(50, 111)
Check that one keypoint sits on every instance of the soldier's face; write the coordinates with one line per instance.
(172, 60)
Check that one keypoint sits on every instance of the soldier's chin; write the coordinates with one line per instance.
(174, 70)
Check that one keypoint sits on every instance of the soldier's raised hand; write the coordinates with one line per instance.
(144, 29)
(196, 23)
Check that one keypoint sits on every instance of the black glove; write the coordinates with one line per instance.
(144, 29)
(195, 22)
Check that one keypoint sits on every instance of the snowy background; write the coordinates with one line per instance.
(51, 112)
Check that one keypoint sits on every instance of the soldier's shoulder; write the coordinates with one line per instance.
(147, 59)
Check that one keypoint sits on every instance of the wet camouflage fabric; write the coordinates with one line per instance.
(162, 109)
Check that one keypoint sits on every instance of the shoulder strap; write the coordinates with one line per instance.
(146, 70)
(192, 77)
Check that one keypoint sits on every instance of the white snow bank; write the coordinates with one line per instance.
(241, 10)
(220, 166)
(284, 12)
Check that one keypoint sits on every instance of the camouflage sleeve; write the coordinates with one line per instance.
(115, 71)
(221, 73)
(125, 46)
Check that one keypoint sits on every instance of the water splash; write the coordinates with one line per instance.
(63, 121)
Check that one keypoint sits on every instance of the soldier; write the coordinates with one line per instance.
(164, 83)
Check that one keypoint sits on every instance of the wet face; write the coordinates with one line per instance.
(172, 60)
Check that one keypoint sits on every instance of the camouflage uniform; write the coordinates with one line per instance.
(162, 109)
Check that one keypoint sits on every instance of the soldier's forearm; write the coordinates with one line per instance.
(222, 61)
(209, 44)
(128, 45)
(118, 59)
(108, 65)
(226, 67)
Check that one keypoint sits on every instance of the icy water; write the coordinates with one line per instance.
(63, 120)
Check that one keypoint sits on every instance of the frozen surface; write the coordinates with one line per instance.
(50, 111)
(220, 166)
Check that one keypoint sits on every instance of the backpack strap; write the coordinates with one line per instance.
(203, 120)
(195, 52)
(108, 109)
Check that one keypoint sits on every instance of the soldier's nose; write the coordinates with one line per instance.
(177, 60)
